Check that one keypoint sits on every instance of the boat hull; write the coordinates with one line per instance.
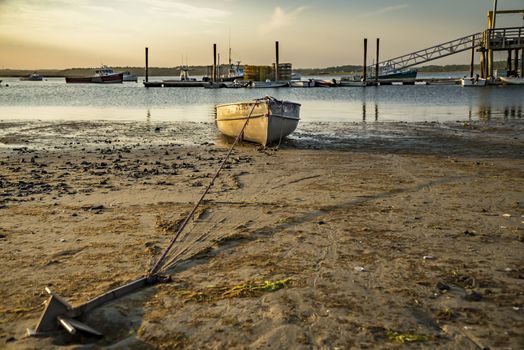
(131, 78)
(184, 83)
(473, 82)
(512, 81)
(302, 83)
(268, 84)
(270, 121)
(104, 79)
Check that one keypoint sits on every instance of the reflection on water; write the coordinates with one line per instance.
(55, 100)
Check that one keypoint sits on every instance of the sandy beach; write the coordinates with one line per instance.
(369, 235)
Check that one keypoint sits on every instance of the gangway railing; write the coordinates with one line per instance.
(503, 38)
(429, 54)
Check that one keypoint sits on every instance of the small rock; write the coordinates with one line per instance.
(473, 296)
(470, 233)
(63, 240)
(442, 286)
(321, 222)
(359, 269)
(428, 257)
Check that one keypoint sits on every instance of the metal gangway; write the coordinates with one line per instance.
(429, 54)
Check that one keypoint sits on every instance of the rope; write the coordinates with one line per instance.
(159, 262)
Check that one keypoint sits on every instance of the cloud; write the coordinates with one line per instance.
(280, 19)
(186, 11)
(384, 10)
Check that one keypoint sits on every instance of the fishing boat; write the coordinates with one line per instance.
(184, 81)
(33, 77)
(512, 80)
(270, 120)
(233, 73)
(103, 75)
(473, 81)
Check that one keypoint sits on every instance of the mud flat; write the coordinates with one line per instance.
(368, 235)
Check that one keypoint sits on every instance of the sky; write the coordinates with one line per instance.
(38, 34)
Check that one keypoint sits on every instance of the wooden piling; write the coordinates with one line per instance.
(521, 63)
(483, 64)
(147, 64)
(509, 64)
(490, 63)
(472, 65)
(276, 60)
(214, 74)
(376, 64)
(516, 61)
(364, 68)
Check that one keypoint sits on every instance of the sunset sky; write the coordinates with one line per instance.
(38, 34)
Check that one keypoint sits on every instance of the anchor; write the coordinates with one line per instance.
(59, 313)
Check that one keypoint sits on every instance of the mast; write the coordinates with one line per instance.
(229, 47)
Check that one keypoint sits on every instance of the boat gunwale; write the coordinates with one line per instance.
(252, 102)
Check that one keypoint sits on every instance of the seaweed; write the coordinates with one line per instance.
(405, 337)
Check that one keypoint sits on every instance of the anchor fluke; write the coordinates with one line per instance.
(59, 313)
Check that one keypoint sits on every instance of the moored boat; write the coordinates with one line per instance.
(512, 80)
(33, 77)
(325, 82)
(128, 76)
(473, 81)
(184, 81)
(268, 84)
(270, 120)
(103, 75)
(302, 83)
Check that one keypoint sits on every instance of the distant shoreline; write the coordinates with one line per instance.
(206, 70)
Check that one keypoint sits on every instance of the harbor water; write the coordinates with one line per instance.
(53, 99)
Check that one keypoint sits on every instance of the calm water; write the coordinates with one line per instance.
(55, 100)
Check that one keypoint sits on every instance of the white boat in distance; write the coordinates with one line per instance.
(302, 83)
(473, 81)
(512, 80)
(268, 84)
(270, 121)
(128, 76)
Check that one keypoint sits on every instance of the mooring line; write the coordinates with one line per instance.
(159, 262)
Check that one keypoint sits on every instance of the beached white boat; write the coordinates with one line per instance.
(270, 121)
(512, 80)
(473, 81)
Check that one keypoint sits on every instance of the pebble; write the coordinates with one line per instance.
(473, 296)
(442, 286)
(359, 269)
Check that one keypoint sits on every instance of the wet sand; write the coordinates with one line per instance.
(374, 233)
